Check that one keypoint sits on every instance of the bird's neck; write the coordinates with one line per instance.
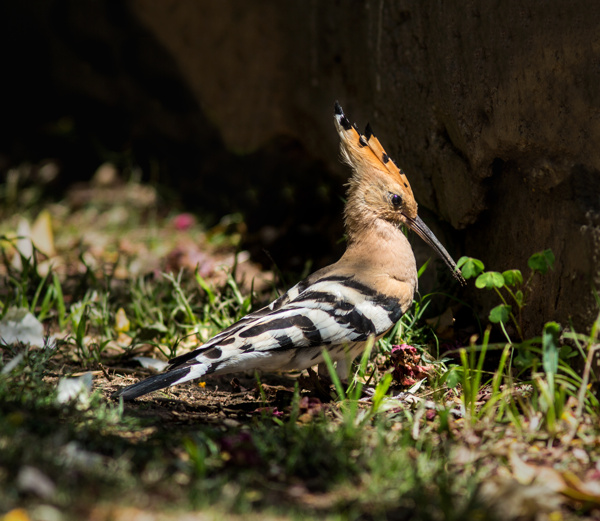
(381, 249)
(358, 218)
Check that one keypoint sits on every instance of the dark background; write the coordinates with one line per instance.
(493, 111)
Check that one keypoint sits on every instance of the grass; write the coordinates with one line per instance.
(494, 430)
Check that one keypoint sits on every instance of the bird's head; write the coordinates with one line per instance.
(378, 189)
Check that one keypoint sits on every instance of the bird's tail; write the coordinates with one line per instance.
(160, 381)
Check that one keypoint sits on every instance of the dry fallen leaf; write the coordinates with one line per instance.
(34, 481)
(566, 483)
(42, 235)
(75, 388)
(18, 514)
(151, 363)
(121, 321)
(588, 491)
(19, 325)
(23, 244)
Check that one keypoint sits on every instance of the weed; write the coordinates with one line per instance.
(508, 285)
(553, 385)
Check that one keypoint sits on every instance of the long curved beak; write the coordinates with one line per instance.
(426, 234)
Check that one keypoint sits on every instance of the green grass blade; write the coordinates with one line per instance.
(339, 388)
(60, 301)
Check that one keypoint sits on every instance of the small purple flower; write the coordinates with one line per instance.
(404, 348)
(183, 221)
(269, 410)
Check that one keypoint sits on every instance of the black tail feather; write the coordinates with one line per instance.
(153, 383)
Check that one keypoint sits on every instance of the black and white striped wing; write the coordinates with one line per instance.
(226, 334)
(333, 311)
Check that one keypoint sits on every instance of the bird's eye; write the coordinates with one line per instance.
(396, 200)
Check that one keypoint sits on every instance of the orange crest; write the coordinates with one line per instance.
(370, 162)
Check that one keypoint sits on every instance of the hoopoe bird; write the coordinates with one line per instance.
(338, 308)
